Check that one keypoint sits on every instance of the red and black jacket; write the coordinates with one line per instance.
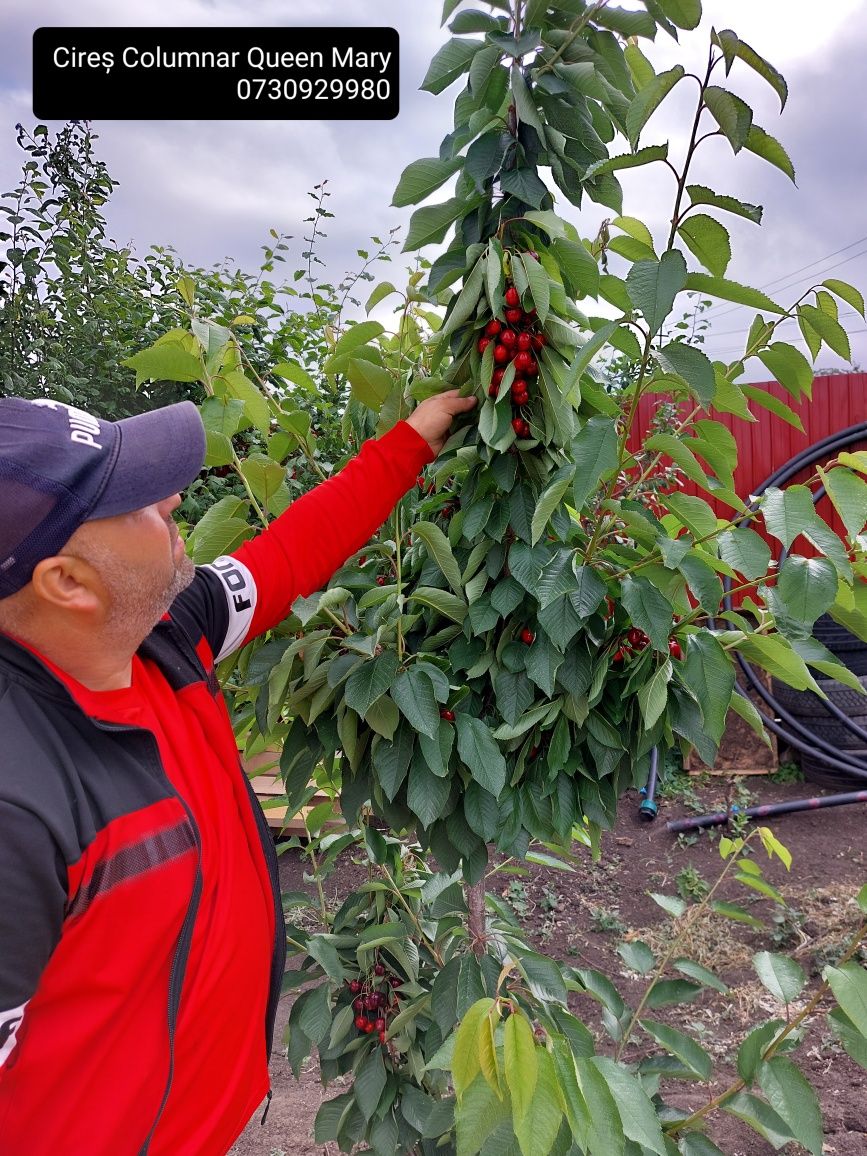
(100, 867)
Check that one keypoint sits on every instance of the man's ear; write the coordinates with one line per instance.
(65, 582)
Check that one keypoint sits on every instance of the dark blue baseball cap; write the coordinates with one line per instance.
(60, 466)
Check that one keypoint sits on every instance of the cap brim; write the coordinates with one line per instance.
(160, 453)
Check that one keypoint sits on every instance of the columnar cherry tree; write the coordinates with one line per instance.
(490, 674)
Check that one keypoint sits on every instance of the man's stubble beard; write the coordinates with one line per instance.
(136, 602)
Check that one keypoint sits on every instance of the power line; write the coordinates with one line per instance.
(786, 320)
(734, 349)
(836, 265)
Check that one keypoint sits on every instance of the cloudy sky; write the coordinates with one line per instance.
(214, 189)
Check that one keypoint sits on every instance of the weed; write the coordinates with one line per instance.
(691, 884)
(787, 927)
(607, 921)
(682, 787)
(788, 772)
(516, 894)
(551, 901)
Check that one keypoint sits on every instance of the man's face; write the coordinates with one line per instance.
(141, 563)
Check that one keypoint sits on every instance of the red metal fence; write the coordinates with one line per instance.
(838, 401)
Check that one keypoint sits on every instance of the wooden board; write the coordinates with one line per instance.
(262, 770)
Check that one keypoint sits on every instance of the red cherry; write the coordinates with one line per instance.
(508, 338)
(523, 361)
(523, 399)
(514, 316)
(362, 559)
(360, 1022)
(420, 481)
(358, 1004)
(368, 1027)
(513, 297)
(609, 608)
(382, 1037)
(498, 376)
(525, 432)
(534, 752)
(674, 648)
(380, 1025)
(634, 636)
(484, 342)
(501, 354)
(493, 328)
(618, 656)
(379, 969)
(380, 581)
(527, 636)
(518, 426)
(533, 367)
(371, 1003)
(539, 340)
(519, 385)
(395, 981)
(525, 341)
(354, 986)
(492, 390)
(448, 715)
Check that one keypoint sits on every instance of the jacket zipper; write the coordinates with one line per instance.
(182, 947)
(278, 956)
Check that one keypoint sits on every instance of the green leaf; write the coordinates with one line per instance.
(744, 707)
(537, 1129)
(854, 1043)
(765, 146)
(709, 673)
(525, 106)
(429, 225)
(481, 811)
(423, 177)
(696, 971)
(733, 47)
(524, 184)
(450, 62)
(685, 14)
(595, 452)
(828, 328)
(362, 333)
(577, 264)
(732, 114)
(426, 793)
(847, 293)
(849, 985)
(787, 513)
(414, 694)
(669, 903)
(521, 1063)
(449, 605)
(383, 717)
(686, 1049)
(693, 366)
(370, 682)
(767, 401)
(653, 694)
(697, 1144)
(848, 492)
(465, 1064)
(808, 586)
(370, 1081)
(733, 911)
(543, 977)
(263, 475)
(775, 654)
(439, 548)
(255, 404)
(637, 955)
(315, 1017)
(760, 1116)
(467, 299)
(291, 371)
(753, 1045)
(745, 551)
(643, 156)
(701, 195)
(789, 367)
(794, 1101)
(606, 1128)
(538, 284)
(782, 976)
(709, 241)
(480, 753)
(731, 291)
(549, 501)
(666, 992)
(637, 1114)
(167, 361)
(585, 354)
(648, 99)
(653, 286)
(702, 580)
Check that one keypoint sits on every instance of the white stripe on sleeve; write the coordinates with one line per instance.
(241, 598)
(10, 1021)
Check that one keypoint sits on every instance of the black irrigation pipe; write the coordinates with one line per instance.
(767, 810)
(794, 733)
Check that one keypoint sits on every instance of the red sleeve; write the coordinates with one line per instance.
(302, 548)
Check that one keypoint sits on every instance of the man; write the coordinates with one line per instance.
(141, 945)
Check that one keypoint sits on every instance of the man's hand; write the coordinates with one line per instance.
(432, 418)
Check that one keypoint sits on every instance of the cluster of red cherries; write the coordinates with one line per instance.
(636, 640)
(515, 341)
(372, 1006)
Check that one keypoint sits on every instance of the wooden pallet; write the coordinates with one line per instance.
(263, 772)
